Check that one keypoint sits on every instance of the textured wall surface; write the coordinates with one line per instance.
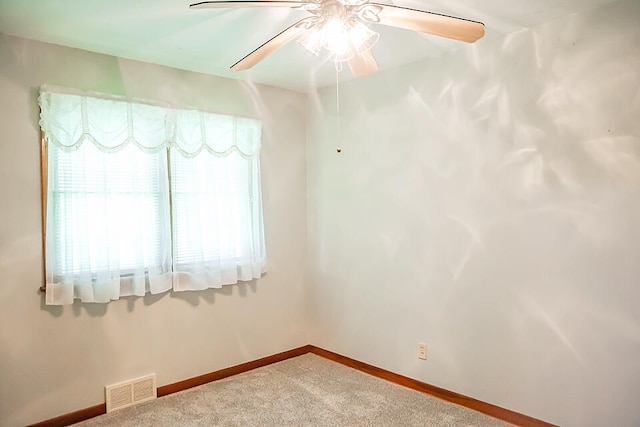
(54, 360)
(486, 203)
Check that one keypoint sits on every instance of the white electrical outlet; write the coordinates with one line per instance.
(422, 351)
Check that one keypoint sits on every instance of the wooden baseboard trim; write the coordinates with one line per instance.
(73, 417)
(459, 399)
(441, 393)
(234, 370)
(94, 411)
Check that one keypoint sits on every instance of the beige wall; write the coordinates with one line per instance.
(54, 360)
(487, 203)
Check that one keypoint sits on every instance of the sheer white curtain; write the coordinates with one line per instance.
(107, 224)
(218, 234)
(109, 229)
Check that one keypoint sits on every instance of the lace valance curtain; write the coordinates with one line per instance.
(69, 119)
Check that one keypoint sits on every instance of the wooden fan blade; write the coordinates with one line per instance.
(272, 45)
(363, 64)
(430, 23)
(246, 3)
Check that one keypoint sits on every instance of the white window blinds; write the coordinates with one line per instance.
(142, 198)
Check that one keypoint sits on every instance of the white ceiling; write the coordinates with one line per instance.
(167, 32)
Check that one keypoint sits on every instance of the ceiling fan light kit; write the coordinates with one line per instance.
(342, 39)
(341, 28)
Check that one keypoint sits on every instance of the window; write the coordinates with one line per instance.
(144, 198)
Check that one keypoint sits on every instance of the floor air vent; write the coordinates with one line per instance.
(130, 392)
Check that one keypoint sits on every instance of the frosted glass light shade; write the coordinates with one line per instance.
(311, 40)
(362, 37)
(337, 40)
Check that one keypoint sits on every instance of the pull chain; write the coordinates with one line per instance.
(339, 130)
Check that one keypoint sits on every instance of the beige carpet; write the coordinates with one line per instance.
(303, 391)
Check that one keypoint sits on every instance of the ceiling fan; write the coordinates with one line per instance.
(340, 27)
